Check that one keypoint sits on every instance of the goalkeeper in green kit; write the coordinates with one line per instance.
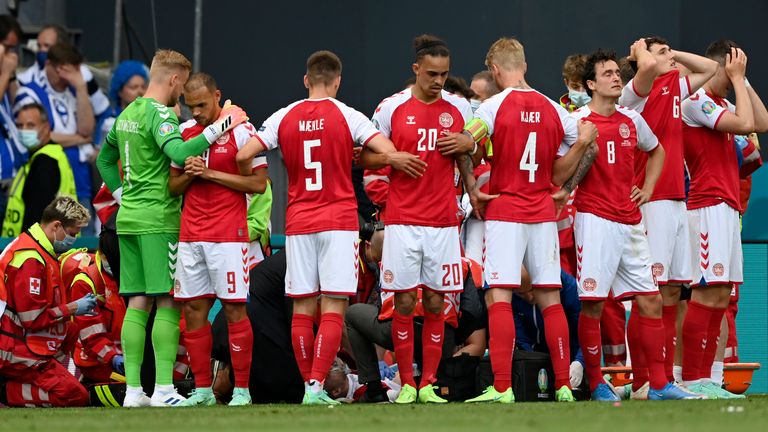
(145, 138)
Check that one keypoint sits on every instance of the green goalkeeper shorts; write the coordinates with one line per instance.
(147, 263)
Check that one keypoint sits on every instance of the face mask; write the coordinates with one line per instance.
(105, 266)
(578, 98)
(40, 58)
(29, 138)
(61, 246)
(474, 104)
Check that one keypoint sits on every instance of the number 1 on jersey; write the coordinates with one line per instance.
(528, 161)
(317, 183)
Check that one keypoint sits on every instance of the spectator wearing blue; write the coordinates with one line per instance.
(129, 81)
(529, 322)
(65, 95)
(13, 154)
(49, 36)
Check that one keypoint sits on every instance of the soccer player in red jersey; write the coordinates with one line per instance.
(316, 136)
(710, 123)
(213, 241)
(656, 92)
(611, 246)
(535, 143)
(421, 245)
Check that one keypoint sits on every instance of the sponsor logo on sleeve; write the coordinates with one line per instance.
(165, 129)
(708, 108)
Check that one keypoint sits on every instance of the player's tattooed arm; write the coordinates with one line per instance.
(581, 170)
(561, 196)
(477, 198)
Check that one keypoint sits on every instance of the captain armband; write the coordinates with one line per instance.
(477, 129)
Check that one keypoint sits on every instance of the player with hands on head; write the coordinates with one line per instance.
(656, 92)
(710, 123)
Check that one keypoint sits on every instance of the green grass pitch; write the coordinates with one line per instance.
(696, 416)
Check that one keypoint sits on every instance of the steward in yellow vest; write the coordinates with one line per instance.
(45, 176)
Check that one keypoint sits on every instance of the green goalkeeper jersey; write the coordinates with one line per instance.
(140, 134)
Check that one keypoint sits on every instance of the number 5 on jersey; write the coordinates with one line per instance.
(315, 184)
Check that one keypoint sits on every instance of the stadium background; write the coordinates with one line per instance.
(256, 50)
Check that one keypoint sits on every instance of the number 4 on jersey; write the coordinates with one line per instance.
(528, 161)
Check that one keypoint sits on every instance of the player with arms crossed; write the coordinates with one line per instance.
(421, 240)
(213, 242)
(611, 246)
(656, 92)
(145, 138)
(535, 143)
(711, 122)
(316, 136)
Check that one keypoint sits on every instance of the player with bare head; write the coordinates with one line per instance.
(710, 123)
(317, 136)
(213, 241)
(656, 92)
(611, 246)
(421, 240)
(535, 143)
(145, 139)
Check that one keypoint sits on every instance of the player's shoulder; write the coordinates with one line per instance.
(629, 112)
(393, 101)
(243, 132)
(581, 113)
(699, 97)
(187, 125)
(459, 102)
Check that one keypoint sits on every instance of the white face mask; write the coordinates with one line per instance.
(578, 98)
(29, 138)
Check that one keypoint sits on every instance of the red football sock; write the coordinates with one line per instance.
(198, 344)
(695, 326)
(713, 335)
(431, 345)
(558, 341)
(612, 332)
(241, 349)
(402, 339)
(327, 345)
(636, 351)
(669, 316)
(501, 327)
(303, 339)
(589, 339)
(652, 338)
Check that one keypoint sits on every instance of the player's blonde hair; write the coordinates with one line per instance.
(507, 53)
(167, 61)
(66, 210)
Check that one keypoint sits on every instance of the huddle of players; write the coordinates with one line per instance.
(423, 133)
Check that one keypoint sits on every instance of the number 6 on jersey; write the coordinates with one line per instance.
(317, 184)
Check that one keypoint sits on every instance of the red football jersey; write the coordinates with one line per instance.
(213, 212)
(529, 131)
(316, 137)
(710, 155)
(414, 127)
(661, 110)
(606, 188)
